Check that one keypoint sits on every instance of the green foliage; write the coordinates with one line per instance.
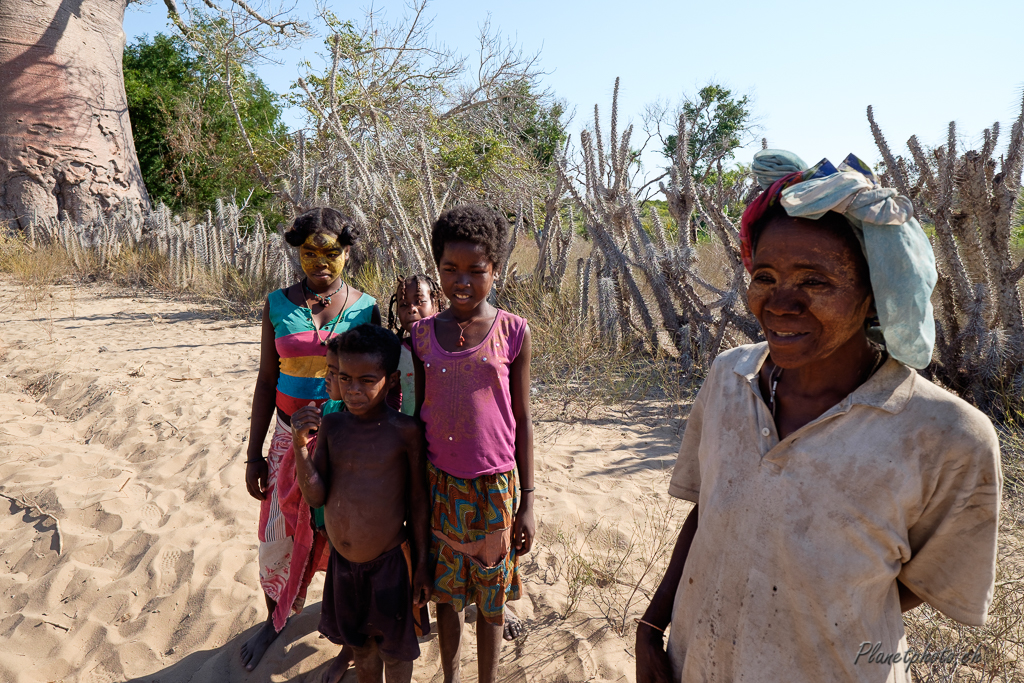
(474, 155)
(538, 125)
(385, 88)
(523, 131)
(355, 56)
(731, 177)
(186, 134)
(661, 206)
(718, 121)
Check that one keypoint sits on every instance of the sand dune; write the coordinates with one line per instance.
(129, 545)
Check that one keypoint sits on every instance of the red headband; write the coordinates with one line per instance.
(756, 209)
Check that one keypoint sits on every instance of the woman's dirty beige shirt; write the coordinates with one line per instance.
(799, 543)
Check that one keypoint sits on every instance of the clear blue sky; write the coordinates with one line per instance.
(811, 67)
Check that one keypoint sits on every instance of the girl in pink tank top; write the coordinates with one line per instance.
(472, 365)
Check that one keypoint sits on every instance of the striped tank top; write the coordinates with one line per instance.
(303, 364)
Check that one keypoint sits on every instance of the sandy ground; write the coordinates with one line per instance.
(129, 545)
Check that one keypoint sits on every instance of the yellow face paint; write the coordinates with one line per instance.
(322, 253)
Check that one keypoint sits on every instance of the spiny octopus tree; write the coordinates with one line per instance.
(971, 198)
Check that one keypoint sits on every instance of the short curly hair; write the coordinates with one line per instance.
(370, 339)
(474, 223)
(322, 220)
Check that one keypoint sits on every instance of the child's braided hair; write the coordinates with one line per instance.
(434, 289)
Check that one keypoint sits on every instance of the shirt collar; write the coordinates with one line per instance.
(888, 389)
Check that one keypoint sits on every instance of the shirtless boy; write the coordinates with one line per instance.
(369, 473)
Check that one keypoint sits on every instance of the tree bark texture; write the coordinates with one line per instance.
(65, 138)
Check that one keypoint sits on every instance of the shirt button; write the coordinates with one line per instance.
(444, 369)
(428, 365)
(485, 359)
(766, 432)
(449, 438)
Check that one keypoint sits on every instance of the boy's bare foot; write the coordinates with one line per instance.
(514, 626)
(254, 648)
(339, 666)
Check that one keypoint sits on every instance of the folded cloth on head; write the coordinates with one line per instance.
(770, 165)
(899, 255)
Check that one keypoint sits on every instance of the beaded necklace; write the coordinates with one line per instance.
(323, 299)
(320, 300)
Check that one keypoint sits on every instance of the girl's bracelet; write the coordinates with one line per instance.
(647, 623)
(259, 459)
(529, 490)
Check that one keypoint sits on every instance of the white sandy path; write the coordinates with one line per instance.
(156, 578)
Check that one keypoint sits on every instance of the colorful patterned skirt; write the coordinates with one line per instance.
(290, 552)
(471, 541)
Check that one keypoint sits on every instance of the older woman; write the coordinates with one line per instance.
(834, 487)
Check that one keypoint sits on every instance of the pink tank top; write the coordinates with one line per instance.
(467, 405)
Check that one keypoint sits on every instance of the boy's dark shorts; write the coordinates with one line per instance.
(372, 599)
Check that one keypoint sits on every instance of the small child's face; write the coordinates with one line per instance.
(361, 382)
(467, 274)
(331, 379)
(414, 304)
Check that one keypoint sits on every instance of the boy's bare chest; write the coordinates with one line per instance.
(374, 452)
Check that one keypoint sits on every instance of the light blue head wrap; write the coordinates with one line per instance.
(899, 255)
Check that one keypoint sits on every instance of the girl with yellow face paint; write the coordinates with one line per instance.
(323, 258)
(297, 322)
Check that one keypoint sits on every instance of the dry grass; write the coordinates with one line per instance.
(133, 269)
(614, 566)
(35, 269)
(574, 370)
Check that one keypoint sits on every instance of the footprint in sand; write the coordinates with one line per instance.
(21, 431)
(151, 514)
(98, 674)
(102, 559)
(167, 571)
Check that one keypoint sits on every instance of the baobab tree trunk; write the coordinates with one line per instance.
(65, 138)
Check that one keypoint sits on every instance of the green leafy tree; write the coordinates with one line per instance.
(719, 121)
(389, 94)
(535, 122)
(521, 130)
(186, 131)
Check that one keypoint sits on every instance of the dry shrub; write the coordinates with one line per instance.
(35, 269)
(616, 566)
(971, 198)
(134, 268)
(140, 268)
(572, 369)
